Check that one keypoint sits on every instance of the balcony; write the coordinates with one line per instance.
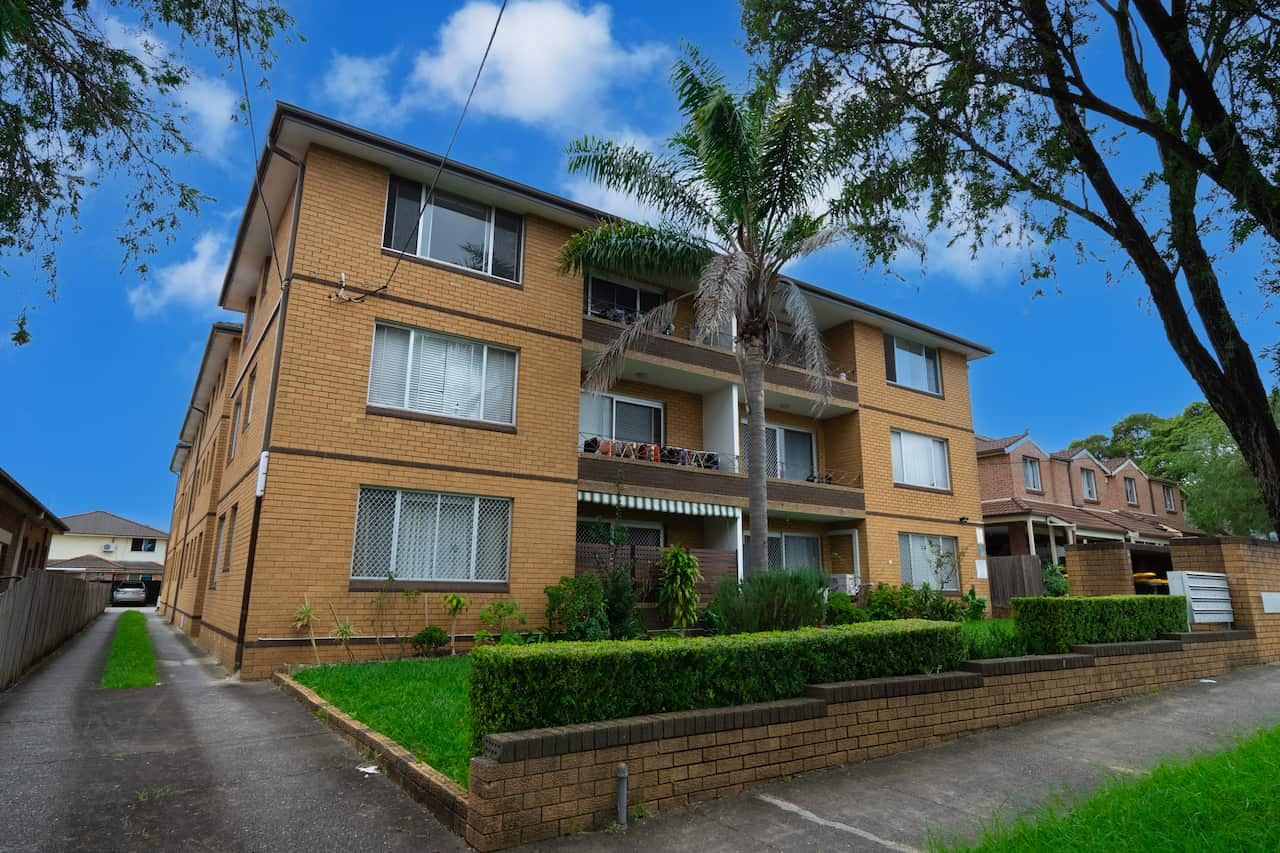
(675, 361)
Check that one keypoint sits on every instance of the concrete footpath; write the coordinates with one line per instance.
(199, 762)
(903, 801)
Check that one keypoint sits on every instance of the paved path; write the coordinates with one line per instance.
(901, 802)
(200, 762)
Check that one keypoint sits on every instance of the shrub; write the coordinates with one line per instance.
(974, 606)
(769, 601)
(1055, 580)
(429, 639)
(552, 684)
(993, 638)
(620, 603)
(1054, 625)
(842, 611)
(575, 608)
(501, 616)
(907, 602)
(678, 588)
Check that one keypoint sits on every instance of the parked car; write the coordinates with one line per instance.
(129, 592)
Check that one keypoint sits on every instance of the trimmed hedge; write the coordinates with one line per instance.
(1053, 625)
(552, 684)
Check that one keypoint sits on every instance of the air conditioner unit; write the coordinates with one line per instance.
(109, 548)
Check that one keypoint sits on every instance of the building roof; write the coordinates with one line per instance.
(99, 522)
(986, 444)
(33, 505)
(1105, 520)
(95, 563)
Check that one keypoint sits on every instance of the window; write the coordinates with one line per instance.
(1131, 490)
(641, 533)
(929, 559)
(920, 460)
(619, 418)
(453, 230)
(430, 536)
(1088, 484)
(791, 454)
(912, 365)
(217, 550)
(235, 421)
(248, 406)
(231, 538)
(621, 303)
(1031, 473)
(790, 552)
(248, 318)
(1170, 501)
(442, 375)
(143, 545)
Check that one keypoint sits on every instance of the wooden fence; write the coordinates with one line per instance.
(712, 563)
(1009, 577)
(38, 613)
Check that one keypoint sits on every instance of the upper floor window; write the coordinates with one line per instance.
(143, 545)
(790, 453)
(1131, 490)
(1088, 484)
(617, 418)
(621, 303)
(248, 406)
(442, 375)
(1170, 500)
(452, 230)
(235, 421)
(920, 460)
(912, 365)
(1031, 473)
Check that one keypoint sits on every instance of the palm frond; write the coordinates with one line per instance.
(806, 334)
(608, 367)
(794, 163)
(727, 152)
(806, 234)
(650, 179)
(721, 290)
(637, 249)
(695, 79)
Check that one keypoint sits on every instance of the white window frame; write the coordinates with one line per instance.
(414, 332)
(1031, 466)
(1170, 498)
(248, 409)
(937, 365)
(613, 414)
(1131, 482)
(781, 447)
(424, 209)
(637, 286)
(1088, 484)
(939, 537)
(783, 537)
(236, 411)
(946, 450)
(626, 522)
(395, 535)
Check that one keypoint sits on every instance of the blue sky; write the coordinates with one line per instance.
(93, 405)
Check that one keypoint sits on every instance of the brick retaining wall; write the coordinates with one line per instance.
(544, 783)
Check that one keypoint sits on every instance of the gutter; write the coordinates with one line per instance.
(271, 396)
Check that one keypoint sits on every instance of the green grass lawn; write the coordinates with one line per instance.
(420, 704)
(1226, 801)
(992, 638)
(132, 661)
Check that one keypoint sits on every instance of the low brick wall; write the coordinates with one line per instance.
(535, 785)
(1101, 568)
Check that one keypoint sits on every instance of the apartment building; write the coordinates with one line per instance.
(362, 433)
(1038, 502)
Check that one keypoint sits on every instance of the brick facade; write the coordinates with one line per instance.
(1103, 568)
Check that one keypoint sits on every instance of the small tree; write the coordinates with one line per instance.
(344, 631)
(455, 605)
(678, 590)
(304, 620)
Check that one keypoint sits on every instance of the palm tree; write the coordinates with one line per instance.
(735, 193)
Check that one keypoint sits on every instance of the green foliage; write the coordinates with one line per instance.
(1054, 625)
(768, 601)
(993, 638)
(1224, 801)
(502, 616)
(1055, 580)
(131, 661)
(617, 570)
(420, 704)
(678, 586)
(973, 606)
(576, 609)
(429, 639)
(842, 611)
(907, 602)
(551, 684)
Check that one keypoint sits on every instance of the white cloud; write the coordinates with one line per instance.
(552, 65)
(592, 194)
(998, 258)
(193, 283)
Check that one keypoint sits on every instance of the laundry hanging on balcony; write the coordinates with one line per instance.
(659, 504)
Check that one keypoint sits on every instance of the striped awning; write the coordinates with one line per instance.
(659, 504)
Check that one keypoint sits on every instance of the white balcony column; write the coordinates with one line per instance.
(720, 425)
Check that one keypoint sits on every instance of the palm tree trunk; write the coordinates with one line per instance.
(757, 461)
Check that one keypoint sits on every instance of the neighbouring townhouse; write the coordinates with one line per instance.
(26, 529)
(105, 547)
(387, 422)
(1034, 502)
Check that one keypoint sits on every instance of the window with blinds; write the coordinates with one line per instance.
(431, 536)
(930, 559)
(442, 375)
(791, 552)
(920, 460)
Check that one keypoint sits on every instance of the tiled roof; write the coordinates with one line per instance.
(1088, 519)
(1173, 521)
(102, 523)
(94, 563)
(986, 444)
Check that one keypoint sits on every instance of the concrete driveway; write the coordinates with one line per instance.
(199, 762)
